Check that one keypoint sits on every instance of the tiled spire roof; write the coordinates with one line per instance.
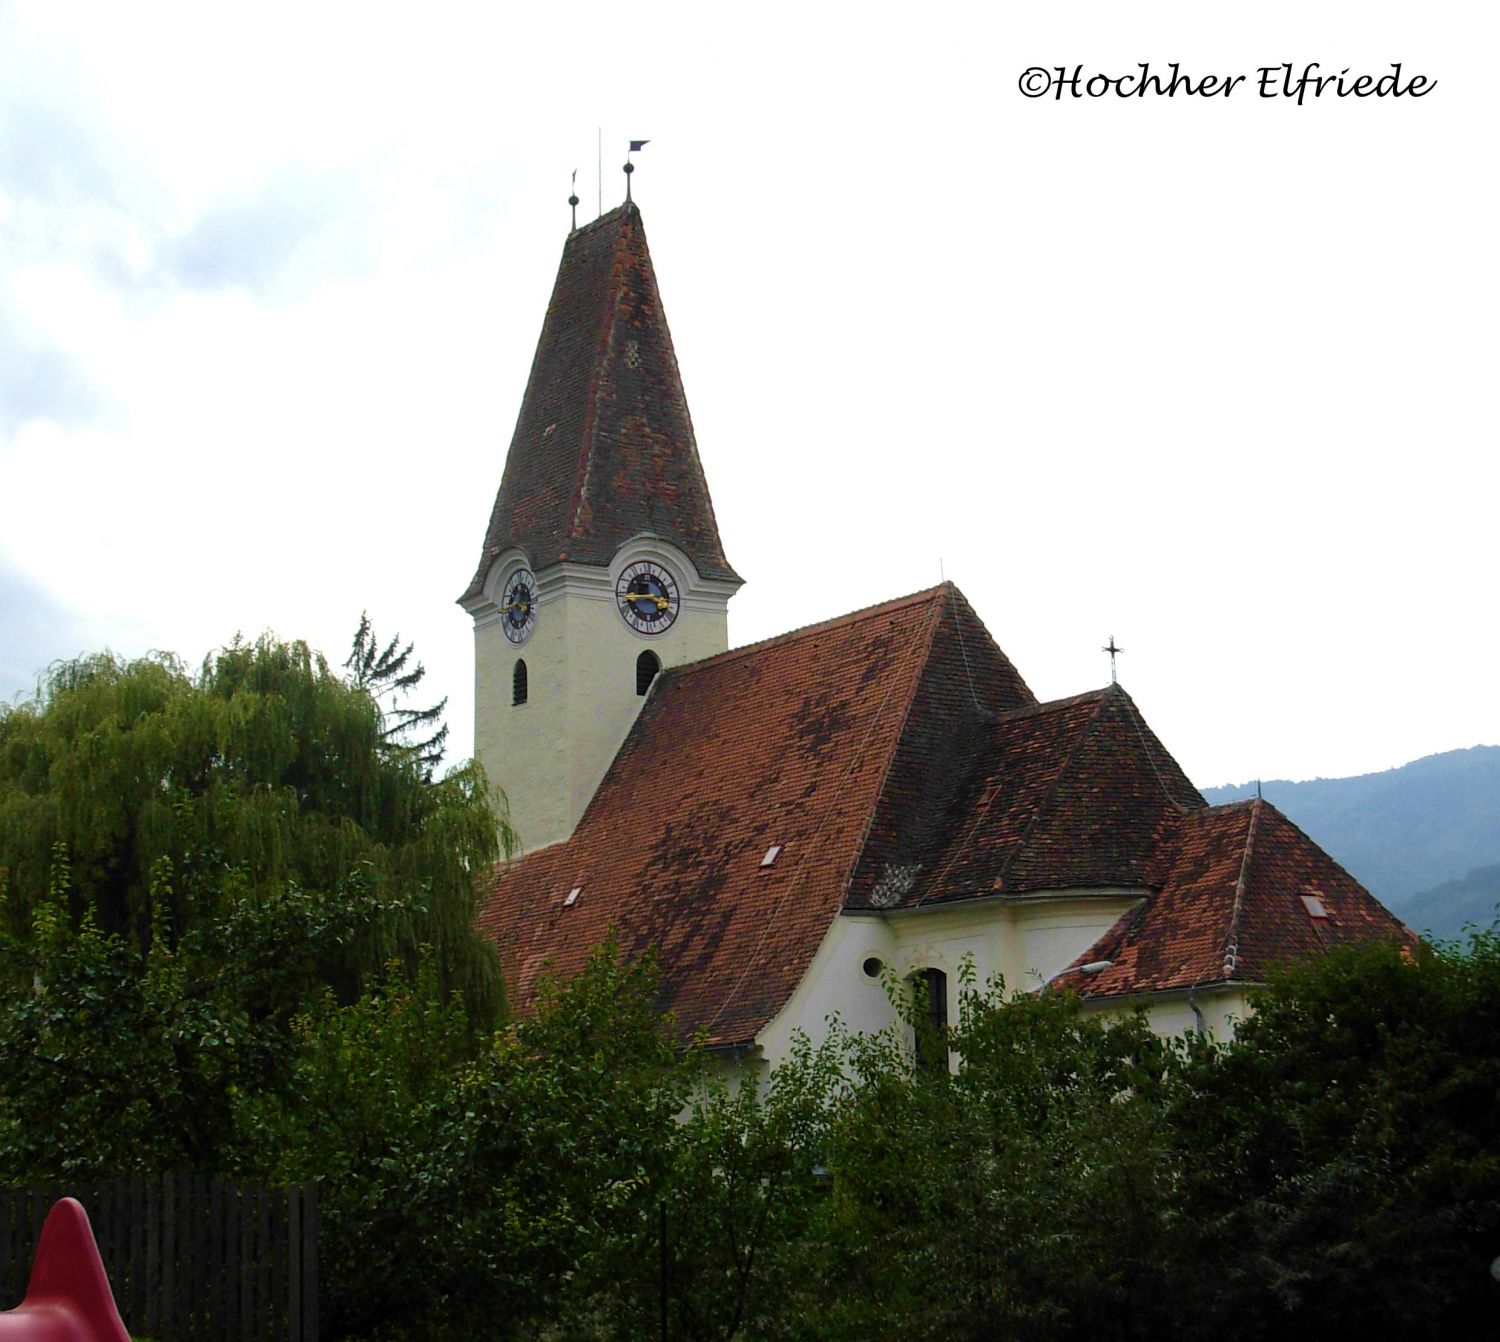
(603, 449)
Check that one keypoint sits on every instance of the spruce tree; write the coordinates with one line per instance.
(388, 674)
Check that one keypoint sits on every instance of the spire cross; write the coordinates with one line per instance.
(1113, 652)
(573, 199)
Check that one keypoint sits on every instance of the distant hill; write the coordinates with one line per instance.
(1445, 909)
(1430, 823)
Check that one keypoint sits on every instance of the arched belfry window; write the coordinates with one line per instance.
(518, 682)
(931, 987)
(646, 667)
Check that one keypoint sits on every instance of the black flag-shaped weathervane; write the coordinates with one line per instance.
(635, 147)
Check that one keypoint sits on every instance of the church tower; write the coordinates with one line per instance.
(602, 562)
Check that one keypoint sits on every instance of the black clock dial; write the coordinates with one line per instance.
(518, 606)
(647, 595)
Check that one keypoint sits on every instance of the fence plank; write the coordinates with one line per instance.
(293, 1262)
(310, 1263)
(166, 1228)
(189, 1267)
(152, 1233)
(137, 1263)
(276, 1316)
(8, 1298)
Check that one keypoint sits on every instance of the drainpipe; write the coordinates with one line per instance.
(1198, 1027)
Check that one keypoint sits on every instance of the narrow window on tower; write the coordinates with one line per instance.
(518, 682)
(646, 667)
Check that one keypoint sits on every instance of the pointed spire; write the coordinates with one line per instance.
(604, 448)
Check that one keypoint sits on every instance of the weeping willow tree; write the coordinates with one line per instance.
(263, 773)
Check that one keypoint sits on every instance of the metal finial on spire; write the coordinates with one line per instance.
(1113, 652)
(635, 147)
(573, 199)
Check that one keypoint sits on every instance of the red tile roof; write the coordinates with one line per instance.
(789, 742)
(898, 759)
(1056, 796)
(1230, 906)
(603, 448)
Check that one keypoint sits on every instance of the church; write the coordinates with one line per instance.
(795, 824)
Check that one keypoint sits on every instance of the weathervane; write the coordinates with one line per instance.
(635, 147)
(1113, 652)
(573, 199)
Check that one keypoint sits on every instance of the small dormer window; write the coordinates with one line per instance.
(646, 667)
(518, 682)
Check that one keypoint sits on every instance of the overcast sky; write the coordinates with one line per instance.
(1215, 376)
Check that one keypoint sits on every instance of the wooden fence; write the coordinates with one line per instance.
(191, 1259)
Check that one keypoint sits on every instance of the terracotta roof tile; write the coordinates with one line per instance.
(603, 448)
(1230, 906)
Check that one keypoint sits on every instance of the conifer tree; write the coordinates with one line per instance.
(388, 674)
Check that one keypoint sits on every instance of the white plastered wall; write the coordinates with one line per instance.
(1020, 941)
(1172, 1015)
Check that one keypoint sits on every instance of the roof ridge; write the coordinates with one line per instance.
(1139, 723)
(929, 636)
(591, 392)
(1232, 934)
(1238, 804)
(1051, 797)
(820, 626)
(1052, 705)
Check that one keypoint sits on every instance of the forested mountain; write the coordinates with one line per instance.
(1424, 838)
(1445, 909)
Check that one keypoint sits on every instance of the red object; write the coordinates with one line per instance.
(69, 1299)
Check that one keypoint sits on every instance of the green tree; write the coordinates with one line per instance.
(477, 1196)
(262, 773)
(388, 674)
(1344, 1152)
(122, 1058)
(735, 1203)
(1025, 1194)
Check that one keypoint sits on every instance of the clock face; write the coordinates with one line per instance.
(647, 595)
(518, 606)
